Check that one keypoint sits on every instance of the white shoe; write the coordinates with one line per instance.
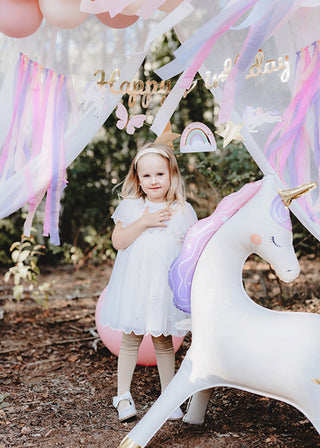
(187, 419)
(192, 419)
(176, 414)
(127, 412)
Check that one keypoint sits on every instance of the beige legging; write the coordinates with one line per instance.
(128, 359)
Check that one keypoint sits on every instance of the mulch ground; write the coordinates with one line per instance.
(57, 379)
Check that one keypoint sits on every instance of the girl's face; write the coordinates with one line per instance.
(154, 177)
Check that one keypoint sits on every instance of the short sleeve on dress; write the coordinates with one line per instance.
(190, 215)
(185, 218)
(128, 211)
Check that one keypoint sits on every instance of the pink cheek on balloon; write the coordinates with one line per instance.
(255, 239)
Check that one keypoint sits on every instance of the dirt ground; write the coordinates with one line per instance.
(57, 379)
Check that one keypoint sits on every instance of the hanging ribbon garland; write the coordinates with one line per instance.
(290, 149)
(37, 130)
(266, 17)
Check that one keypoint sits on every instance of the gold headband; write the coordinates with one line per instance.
(294, 193)
(150, 150)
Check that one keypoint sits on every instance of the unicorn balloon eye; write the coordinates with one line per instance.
(272, 239)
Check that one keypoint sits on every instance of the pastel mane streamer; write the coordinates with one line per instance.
(183, 267)
(37, 130)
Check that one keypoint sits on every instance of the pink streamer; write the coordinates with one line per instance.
(114, 7)
(6, 146)
(276, 12)
(289, 148)
(37, 127)
(225, 24)
(37, 130)
(148, 8)
(49, 141)
(58, 181)
(296, 112)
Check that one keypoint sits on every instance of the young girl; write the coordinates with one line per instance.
(150, 225)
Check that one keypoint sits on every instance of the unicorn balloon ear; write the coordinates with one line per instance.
(294, 193)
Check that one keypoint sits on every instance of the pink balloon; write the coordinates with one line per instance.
(112, 340)
(118, 21)
(19, 18)
(63, 13)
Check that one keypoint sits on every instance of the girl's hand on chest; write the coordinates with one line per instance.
(156, 219)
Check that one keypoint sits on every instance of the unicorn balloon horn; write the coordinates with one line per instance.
(288, 195)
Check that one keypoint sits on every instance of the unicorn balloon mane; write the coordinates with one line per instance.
(236, 342)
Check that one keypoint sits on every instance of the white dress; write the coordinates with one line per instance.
(138, 297)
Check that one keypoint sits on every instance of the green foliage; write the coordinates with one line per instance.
(304, 243)
(10, 230)
(97, 249)
(42, 293)
(66, 253)
(25, 255)
(230, 168)
(100, 248)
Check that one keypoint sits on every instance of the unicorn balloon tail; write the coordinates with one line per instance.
(236, 342)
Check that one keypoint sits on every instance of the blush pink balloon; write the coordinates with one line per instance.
(118, 21)
(19, 18)
(112, 340)
(63, 13)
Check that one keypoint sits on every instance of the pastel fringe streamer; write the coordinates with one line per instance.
(115, 7)
(291, 148)
(182, 269)
(270, 16)
(266, 17)
(100, 6)
(37, 130)
(191, 54)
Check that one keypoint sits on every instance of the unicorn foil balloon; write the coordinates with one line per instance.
(236, 342)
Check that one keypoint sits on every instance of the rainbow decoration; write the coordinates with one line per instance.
(197, 137)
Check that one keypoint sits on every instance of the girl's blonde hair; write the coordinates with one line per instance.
(131, 187)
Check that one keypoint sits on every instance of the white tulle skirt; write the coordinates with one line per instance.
(138, 297)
